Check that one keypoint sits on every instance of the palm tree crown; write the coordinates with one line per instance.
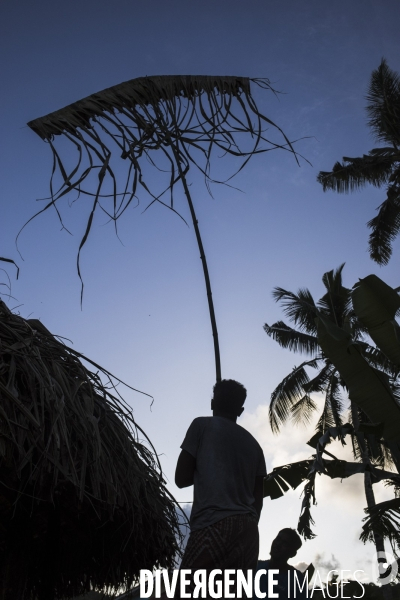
(291, 399)
(381, 166)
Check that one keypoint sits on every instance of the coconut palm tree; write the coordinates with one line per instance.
(381, 166)
(292, 399)
(171, 123)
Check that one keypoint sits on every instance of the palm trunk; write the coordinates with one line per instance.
(205, 268)
(370, 496)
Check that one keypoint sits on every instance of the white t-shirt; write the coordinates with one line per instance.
(228, 460)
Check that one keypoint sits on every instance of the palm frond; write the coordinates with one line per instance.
(381, 166)
(302, 410)
(377, 452)
(354, 441)
(336, 303)
(300, 308)
(385, 226)
(335, 399)
(305, 520)
(287, 393)
(383, 106)
(7, 285)
(293, 340)
(376, 358)
(320, 381)
(395, 485)
(10, 261)
(333, 407)
(384, 519)
(354, 173)
(387, 461)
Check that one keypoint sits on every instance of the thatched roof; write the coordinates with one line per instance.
(82, 500)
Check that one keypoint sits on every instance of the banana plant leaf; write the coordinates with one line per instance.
(329, 434)
(376, 305)
(279, 480)
(277, 483)
(367, 387)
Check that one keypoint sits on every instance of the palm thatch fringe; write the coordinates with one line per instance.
(83, 503)
(9, 260)
(7, 286)
(181, 117)
(168, 122)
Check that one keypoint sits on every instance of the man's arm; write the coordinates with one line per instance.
(185, 467)
(258, 494)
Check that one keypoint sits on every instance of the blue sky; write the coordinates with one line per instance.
(145, 314)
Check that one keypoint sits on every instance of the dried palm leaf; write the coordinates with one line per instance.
(83, 503)
(7, 285)
(170, 122)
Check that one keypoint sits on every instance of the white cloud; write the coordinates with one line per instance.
(290, 445)
(329, 564)
(339, 511)
(301, 566)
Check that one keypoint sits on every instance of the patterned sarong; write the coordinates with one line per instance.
(231, 543)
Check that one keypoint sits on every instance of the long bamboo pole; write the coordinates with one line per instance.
(204, 263)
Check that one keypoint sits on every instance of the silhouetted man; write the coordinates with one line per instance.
(285, 546)
(226, 466)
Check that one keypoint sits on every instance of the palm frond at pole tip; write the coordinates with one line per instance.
(83, 502)
(169, 122)
(183, 118)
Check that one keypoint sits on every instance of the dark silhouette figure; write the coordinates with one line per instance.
(226, 466)
(285, 546)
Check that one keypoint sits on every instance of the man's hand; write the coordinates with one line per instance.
(258, 494)
(185, 467)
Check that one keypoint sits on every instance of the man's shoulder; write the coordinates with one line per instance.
(247, 435)
(197, 425)
(200, 421)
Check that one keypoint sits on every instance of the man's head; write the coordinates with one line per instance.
(229, 397)
(285, 545)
